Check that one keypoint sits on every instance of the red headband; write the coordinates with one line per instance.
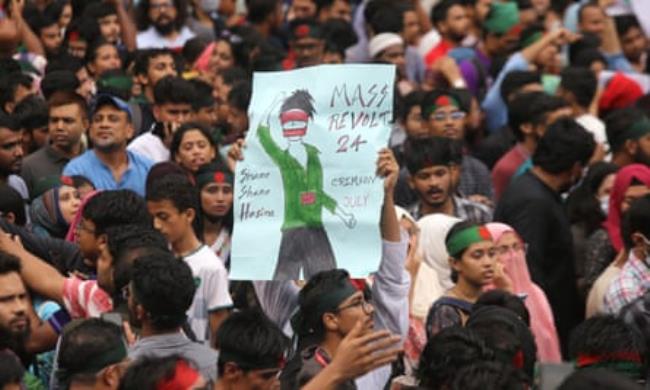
(584, 360)
(184, 377)
(294, 115)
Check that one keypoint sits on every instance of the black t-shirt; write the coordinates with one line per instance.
(537, 213)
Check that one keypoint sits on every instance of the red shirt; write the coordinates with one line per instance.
(440, 50)
(506, 167)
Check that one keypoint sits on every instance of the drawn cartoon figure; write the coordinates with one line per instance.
(305, 245)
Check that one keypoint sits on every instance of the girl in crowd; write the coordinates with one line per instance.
(511, 253)
(472, 258)
(192, 146)
(57, 202)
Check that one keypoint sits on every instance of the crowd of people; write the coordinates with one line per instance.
(515, 225)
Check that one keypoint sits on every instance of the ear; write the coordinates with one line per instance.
(10, 217)
(454, 264)
(231, 373)
(411, 182)
(190, 214)
(527, 128)
(129, 129)
(330, 322)
(110, 376)
(141, 79)
(156, 112)
(9, 107)
(631, 146)
(637, 239)
(101, 240)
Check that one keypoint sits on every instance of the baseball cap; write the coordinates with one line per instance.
(104, 99)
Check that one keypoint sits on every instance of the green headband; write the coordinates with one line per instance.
(466, 237)
(637, 130)
(442, 101)
(304, 321)
(122, 83)
(115, 355)
(502, 17)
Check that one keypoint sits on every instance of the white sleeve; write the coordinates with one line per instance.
(390, 290)
(279, 300)
(216, 289)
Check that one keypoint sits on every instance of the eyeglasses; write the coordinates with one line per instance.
(158, 6)
(365, 306)
(442, 116)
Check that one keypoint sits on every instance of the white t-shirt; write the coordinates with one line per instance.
(150, 38)
(595, 126)
(212, 293)
(150, 146)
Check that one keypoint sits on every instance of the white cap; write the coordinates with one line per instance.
(383, 41)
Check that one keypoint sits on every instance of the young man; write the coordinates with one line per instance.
(151, 66)
(631, 283)
(333, 9)
(444, 116)
(172, 201)
(433, 163)
(162, 24)
(11, 155)
(68, 121)
(92, 355)
(14, 307)
(532, 205)
(109, 165)
(306, 42)
(578, 88)
(529, 114)
(332, 307)
(449, 17)
(633, 42)
(628, 133)
(173, 98)
(32, 117)
(159, 295)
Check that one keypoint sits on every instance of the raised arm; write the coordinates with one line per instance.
(36, 273)
(126, 22)
(388, 168)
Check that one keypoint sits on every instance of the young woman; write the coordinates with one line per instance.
(192, 146)
(53, 210)
(215, 183)
(472, 259)
(101, 57)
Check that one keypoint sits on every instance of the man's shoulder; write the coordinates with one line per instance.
(140, 160)
(205, 260)
(35, 158)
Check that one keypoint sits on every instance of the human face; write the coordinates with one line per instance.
(110, 128)
(413, 125)
(447, 121)
(476, 266)
(173, 112)
(195, 150)
(549, 60)
(66, 16)
(109, 27)
(633, 193)
(456, 25)
(593, 21)
(169, 221)
(634, 44)
(303, 9)
(606, 186)
(352, 310)
(159, 67)
(643, 150)
(237, 119)
(66, 125)
(86, 238)
(77, 48)
(216, 199)
(69, 202)
(433, 185)
(104, 268)
(220, 90)
(332, 57)
(481, 9)
(11, 151)
(207, 116)
(509, 244)
(162, 14)
(51, 38)
(411, 30)
(309, 51)
(107, 59)
(340, 9)
(221, 58)
(14, 303)
(394, 55)
(86, 84)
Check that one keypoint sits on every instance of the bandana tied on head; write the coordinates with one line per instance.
(503, 18)
(466, 237)
(309, 315)
(217, 175)
(383, 41)
(294, 122)
(620, 92)
(306, 30)
(184, 377)
(95, 364)
(442, 101)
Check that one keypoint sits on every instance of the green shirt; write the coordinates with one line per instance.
(304, 198)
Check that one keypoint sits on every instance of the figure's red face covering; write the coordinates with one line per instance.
(294, 123)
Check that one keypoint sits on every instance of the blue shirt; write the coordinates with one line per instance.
(91, 167)
(496, 110)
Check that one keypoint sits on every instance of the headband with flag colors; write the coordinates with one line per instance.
(639, 129)
(503, 17)
(466, 237)
(219, 176)
(442, 101)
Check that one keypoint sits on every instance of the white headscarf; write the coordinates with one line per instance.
(434, 275)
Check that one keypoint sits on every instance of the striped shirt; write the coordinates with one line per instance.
(84, 298)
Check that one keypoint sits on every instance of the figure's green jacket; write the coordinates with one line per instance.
(304, 198)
